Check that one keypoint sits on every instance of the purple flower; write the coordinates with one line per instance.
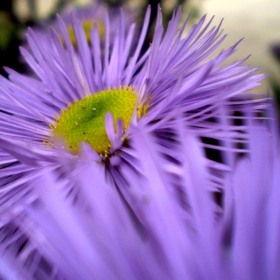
(89, 15)
(145, 199)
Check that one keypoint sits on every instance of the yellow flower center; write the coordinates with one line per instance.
(84, 121)
(87, 26)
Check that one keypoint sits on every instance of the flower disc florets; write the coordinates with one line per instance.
(84, 121)
(87, 26)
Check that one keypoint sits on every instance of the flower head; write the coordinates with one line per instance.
(103, 166)
(89, 15)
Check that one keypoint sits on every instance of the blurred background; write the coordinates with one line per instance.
(258, 21)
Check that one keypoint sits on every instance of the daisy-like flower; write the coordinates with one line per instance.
(103, 166)
(88, 15)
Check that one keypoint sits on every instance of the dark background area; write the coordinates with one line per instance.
(10, 29)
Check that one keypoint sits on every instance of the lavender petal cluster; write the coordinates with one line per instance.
(191, 194)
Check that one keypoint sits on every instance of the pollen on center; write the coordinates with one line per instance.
(84, 120)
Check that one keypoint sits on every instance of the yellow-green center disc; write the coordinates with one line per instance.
(84, 121)
(87, 26)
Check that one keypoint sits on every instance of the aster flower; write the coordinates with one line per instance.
(89, 15)
(103, 166)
